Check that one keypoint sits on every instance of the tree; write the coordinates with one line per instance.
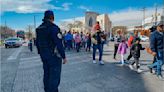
(6, 32)
(70, 26)
(78, 24)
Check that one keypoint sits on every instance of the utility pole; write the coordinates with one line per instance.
(156, 15)
(144, 10)
(34, 22)
(5, 28)
(5, 24)
(163, 9)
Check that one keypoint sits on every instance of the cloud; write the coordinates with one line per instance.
(71, 20)
(66, 6)
(131, 17)
(84, 8)
(125, 17)
(30, 6)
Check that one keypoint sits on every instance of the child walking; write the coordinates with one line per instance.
(135, 50)
(122, 48)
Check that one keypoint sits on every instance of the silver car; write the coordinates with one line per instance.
(13, 42)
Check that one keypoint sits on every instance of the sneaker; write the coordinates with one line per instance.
(153, 72)
(101, 62)
(122, 65)
(139, 70)
(94, 61)
(160, 77)
(131, 67)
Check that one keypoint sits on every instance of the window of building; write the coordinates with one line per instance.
(90, 22)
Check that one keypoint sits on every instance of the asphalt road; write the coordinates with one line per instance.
(21, 71)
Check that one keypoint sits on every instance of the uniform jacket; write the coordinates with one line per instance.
(49, 39)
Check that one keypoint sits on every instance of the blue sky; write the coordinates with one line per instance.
(19, 13)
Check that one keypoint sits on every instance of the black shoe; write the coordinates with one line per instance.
(150, 69)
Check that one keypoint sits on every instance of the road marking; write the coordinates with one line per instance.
(15, 54)
(29, 58)
(27, 62)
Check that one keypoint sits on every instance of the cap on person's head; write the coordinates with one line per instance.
(97, 22)
(137, 39)
(160, 24)
(48, 13)
(123, 40)
(153, 28)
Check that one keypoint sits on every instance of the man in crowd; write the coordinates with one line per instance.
(97, 43)
(156, 45)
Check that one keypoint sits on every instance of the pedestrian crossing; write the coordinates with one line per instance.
(30, 72)
(29, 76)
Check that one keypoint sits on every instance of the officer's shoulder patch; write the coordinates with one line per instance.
(59, 35)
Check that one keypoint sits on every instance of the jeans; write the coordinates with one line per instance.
(115, 51)
(99, 47)
(159, 62)
(130, 56)
(136, 60)
(78, 47)
(69, 44)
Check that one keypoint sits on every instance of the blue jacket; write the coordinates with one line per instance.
(49, 39)
(68, 36)
(156, 41)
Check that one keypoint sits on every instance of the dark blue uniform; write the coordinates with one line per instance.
(50, 48)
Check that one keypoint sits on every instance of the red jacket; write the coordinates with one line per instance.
(130, 41)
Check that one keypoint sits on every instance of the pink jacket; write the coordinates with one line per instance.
(77, 39)
(122, 48)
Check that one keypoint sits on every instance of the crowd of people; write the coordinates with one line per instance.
(97, 38)
(50, 41)
(76, 41)
(79, 40)
(155, 48)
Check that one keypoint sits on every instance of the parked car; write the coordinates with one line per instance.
(144, 38)
(13, 42)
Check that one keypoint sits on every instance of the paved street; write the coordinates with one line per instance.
(21, 71)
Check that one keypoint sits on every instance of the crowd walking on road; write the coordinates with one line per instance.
(52, 44)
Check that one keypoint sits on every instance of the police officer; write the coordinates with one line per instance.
(50, 48)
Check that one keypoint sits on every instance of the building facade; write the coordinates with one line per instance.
(92, 17)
